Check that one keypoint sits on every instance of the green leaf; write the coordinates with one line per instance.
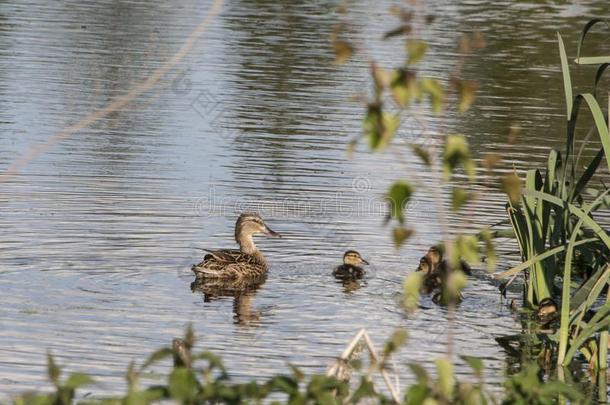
(400, 235)
(466, 246)
(476, 364)
(512, 187)
(467, 91)
(567, 82)
(459, 197)
(403, 86)
(398, 338)
(592, 60)
(411, 288)
(435, 90)
(416, 394)
(422, 153)
(416, 50)
(364, 390)
(53, 370)
(77, 380)
(343, 51)
(183, 385)
(446, 380)
(420, 373)
(398, 197)
(157, 356)
(379, 127)
(457, 152)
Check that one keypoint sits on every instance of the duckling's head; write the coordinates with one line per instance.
(250, 224)
(353, 258)
(424, 265)
(434, 255)
(546, 308)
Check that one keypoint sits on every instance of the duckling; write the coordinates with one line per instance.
(350, 268)
(547, 308)
(431, 279)
(232, 264)
(441, 265)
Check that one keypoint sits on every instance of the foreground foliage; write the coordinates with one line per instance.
(201, 378)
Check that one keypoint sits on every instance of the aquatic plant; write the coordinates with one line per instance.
(554, 223)
(201, 378)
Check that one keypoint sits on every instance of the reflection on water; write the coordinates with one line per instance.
(98, 235)
(241, 290)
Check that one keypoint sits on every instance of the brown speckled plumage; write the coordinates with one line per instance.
(234, 264)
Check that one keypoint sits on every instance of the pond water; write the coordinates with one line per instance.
(98, 233)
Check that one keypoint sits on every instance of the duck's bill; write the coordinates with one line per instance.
(364, 261)
(272, 233)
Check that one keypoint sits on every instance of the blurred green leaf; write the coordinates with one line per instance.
(403, 85)
(417, 394)
(157, 356)
(435, 90)
(77, 380)
(398, 338)
(398, 197)
(416, 50)
(400, 235)
(365, 389)
(457, 152)
(420, 373)
(467, 93)
(183, 385)
(476, 364)
(446, 380)
(379, 127)
(422, 153)
(411, 288)
(343, 51)
(512, 187)
(466, 246)
(459, 197)
(53, 370)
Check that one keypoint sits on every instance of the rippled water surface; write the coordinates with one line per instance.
(98, 233)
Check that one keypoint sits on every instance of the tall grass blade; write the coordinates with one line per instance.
(567, 82)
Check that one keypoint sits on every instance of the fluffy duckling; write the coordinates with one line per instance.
(350, 269)
(440, 265)
(547, 308)
(431, 279)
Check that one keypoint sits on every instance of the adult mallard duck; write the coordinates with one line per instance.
(350, 269)
(247, 262)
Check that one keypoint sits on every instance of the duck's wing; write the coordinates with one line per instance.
(227, 264)
(226, 256)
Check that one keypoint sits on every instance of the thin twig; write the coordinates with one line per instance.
(119, 102)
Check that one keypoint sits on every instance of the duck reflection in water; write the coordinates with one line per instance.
(241, 290)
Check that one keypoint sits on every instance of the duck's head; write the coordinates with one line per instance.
(353, 258)
(424, 265)
(250, 224)
(434, 255)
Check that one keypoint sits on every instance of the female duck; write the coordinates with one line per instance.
(233, 264)
(350, 269)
